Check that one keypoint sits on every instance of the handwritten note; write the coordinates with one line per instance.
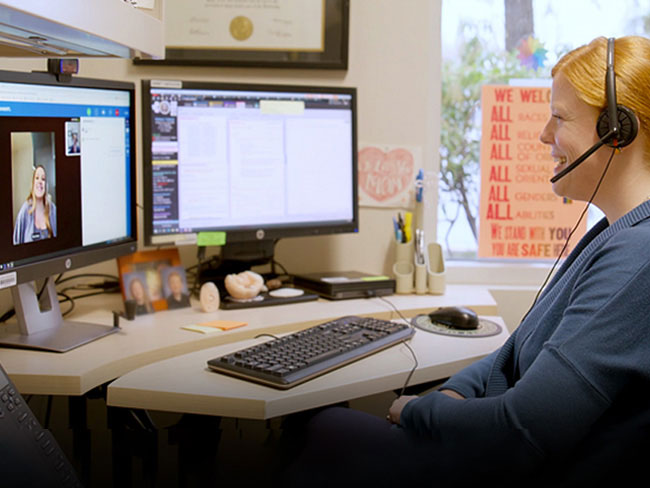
(520, 215)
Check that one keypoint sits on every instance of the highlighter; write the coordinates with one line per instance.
(408, 231)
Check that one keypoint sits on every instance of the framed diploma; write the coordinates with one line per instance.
(256, 33)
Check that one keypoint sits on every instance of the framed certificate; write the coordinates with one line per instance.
(256, 33)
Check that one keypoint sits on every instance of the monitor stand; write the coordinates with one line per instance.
(241, 256)
(41, 325)
(235, 258)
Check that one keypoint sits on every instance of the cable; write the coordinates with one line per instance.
(66, 298)
(264, 334)
(7, 315)
(415, 366)
(394, 308)
(575, 227)
(60, 280)
(415, 358)
(274, 263)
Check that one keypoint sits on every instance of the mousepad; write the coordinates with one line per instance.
(485, 327)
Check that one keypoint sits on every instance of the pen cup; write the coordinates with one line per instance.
(404, 251)
(420, 277)
(403, 271)
(435, 269)
(403, 268)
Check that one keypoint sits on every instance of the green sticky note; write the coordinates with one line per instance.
(210, 238)
(374, 278)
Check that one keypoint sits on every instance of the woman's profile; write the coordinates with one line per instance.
(36, 218)
(566, 400)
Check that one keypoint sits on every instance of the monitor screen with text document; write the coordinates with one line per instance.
(254, 163)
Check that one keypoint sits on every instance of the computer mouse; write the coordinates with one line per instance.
(455, 317)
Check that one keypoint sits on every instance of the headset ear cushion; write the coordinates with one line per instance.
(627, 122)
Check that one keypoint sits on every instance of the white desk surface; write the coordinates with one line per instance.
(159, 336)
(184, 384)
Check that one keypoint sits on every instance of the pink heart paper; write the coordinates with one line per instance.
(384, 175)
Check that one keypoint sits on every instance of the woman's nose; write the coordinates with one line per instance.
(546, 136)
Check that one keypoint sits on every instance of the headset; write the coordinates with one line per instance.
(617, 125)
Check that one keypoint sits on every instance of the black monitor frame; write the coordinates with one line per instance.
(40, 323)
(245, 245)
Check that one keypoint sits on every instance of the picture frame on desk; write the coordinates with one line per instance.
(291, 34)
(152, 281)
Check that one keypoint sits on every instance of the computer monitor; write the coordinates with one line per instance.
(246, 165)
(67, 187)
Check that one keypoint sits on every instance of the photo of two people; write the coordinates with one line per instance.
(153, 281)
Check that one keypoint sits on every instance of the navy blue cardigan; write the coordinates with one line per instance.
(574, 374)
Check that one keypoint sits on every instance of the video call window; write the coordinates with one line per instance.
(69, 173)
(33, 164)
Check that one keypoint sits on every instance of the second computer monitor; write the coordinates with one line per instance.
(254, 162)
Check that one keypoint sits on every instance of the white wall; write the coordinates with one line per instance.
(394, 61)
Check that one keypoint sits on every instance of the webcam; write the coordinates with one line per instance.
(63, 68)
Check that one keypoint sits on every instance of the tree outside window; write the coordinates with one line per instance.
(501, 42)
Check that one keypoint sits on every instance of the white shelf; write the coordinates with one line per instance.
(79, 28)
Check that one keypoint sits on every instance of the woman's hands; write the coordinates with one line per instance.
(395, 410)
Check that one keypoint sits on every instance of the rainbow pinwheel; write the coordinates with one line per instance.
(531, 53)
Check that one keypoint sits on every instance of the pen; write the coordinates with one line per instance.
(419, 246)
(399, 228)
(418, 185)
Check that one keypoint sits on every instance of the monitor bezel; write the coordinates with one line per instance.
(241, 234)
(72, 258)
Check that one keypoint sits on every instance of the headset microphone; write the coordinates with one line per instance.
(581, 159)
(617, 125)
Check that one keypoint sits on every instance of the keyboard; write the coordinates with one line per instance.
(292, 359)
(32, 456)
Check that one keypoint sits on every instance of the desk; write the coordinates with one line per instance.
(184, 383)
(159, 336)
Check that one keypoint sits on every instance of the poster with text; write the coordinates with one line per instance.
(520, 216)
(387, 175)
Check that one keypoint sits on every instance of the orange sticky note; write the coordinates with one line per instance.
(223, 324)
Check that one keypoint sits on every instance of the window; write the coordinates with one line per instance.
(504, 42)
